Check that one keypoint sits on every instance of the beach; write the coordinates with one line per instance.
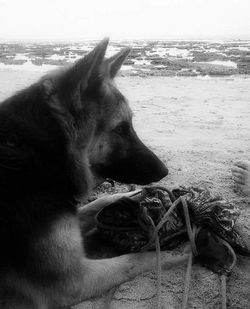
(146, 57)
(199, 126)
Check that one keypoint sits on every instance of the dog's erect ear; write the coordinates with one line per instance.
(89, 67)
(85, 70)
(115, 62)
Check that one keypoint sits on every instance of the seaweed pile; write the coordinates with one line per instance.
(158, 219)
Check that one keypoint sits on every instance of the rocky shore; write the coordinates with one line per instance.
(147, 58)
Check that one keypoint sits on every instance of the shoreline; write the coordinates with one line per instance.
(146, 58)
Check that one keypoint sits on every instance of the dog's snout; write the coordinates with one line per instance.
(156, 169)
(147, 166)
(162, 170)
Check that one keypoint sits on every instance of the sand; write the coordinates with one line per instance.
(198, 127)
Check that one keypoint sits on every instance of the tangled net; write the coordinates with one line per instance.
(159, 219)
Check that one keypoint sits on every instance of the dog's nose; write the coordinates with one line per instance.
(159, 171)
(149, 167)
(163, 170)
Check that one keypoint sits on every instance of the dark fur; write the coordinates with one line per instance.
(56, 138)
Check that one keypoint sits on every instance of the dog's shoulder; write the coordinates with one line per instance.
(39, 177)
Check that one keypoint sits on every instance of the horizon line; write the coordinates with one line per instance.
(242, 37)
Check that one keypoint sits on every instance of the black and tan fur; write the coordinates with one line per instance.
(57, 139)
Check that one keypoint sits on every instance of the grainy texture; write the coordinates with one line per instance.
(199, 127)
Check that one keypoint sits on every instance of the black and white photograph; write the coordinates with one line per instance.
(125, 154)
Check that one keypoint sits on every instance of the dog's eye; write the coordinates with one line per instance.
(122, 129)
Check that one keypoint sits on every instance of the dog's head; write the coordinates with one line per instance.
(100, 122)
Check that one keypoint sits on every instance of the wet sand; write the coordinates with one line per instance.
(199, 127)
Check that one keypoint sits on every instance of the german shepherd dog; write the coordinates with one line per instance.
(58, 138)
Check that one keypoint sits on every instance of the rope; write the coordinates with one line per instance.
(187, 281)
(191, 234)
(160, 224)
(169, 192)
(224, 276)
(194, 252)
(158, 264)
(155, 238)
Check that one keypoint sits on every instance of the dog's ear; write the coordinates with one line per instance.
(84, 72)
(115, 62)
(87, 69)
(81, 75)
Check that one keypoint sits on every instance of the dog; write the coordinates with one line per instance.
(58, 137)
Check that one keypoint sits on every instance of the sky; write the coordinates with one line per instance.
(126, 19)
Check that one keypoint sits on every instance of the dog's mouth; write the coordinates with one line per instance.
(128, 176)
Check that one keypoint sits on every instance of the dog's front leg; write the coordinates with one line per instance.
(73, 277)
(86, 213)
(102, 275)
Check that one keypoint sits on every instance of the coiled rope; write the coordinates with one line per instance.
(191, 235)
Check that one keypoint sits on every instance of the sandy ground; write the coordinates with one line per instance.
(199, 127)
